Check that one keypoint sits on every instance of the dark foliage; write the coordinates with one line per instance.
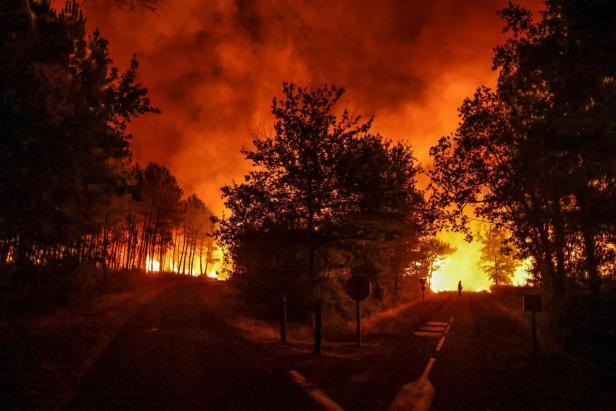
(326, 198)
(63, 112)
(535, 156)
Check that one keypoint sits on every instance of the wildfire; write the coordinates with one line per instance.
(520, 277)
(462, 266)
(152, 265)
(213, 269)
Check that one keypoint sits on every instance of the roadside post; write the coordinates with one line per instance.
(422, 285)
(317, 328)
(358, 287)
(283, 319)
(533, 304)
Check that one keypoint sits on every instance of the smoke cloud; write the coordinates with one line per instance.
(213, 67)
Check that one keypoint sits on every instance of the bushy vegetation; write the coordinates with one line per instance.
(326, 199)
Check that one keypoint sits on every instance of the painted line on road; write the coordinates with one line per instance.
(428, 368)
(440, 343)
(450, 322)
(427, 334)
(316, 394)
(432, 328)
(438, 323)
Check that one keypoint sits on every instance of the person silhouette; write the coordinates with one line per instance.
(459, 288)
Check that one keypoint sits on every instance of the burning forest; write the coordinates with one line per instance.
(266, 204)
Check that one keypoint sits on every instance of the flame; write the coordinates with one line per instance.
(215, 267)
(462, 266)
(152, 265)
(520, 277)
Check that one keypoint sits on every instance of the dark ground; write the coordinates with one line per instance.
(177, 354)
(180, 350)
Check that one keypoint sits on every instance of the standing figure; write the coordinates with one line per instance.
(459, 288)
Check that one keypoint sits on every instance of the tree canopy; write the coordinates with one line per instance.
(64, 112)
(535, 154)
(325, 195)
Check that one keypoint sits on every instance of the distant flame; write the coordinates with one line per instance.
(520, 277)
(462, 266)
(213, 269)
(152, 265)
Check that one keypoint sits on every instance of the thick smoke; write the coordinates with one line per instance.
(214, 66)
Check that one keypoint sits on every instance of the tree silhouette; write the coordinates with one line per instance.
(496, 261)
(160, 195)
(535, 155)
(64, 112)
(294, 182)
(325, 198)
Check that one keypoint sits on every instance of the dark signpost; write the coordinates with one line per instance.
(533, 304)
(422, 285)
(283, 319)
(317, 328)
(358, 287)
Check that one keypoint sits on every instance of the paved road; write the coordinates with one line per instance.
(482, 362)
(485, 363)
(176, 354)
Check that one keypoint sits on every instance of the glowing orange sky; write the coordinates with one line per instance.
(214, 66)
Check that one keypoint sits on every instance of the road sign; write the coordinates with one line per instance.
(358, 287)
(422, 285)
(532, 303)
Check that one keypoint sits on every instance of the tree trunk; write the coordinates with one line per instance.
(559, 250)
(105, 248)
(594, 279)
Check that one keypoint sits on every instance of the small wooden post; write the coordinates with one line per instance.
(283, 319)
(533, 320)
(533, 304)
(358, 323)
(317, 329)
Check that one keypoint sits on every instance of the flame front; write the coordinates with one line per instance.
(213, 269)
(462, 266)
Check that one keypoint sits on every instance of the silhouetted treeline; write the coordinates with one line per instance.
(536, 154)
(69, 193)
(326, 199)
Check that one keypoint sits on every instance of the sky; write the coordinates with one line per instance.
(213, 67)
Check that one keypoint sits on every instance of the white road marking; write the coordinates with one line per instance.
(432, 328)
(441, 323)
(451, 319)
(427, 334)
(319, 396)
(440, 343)
(428, 368)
